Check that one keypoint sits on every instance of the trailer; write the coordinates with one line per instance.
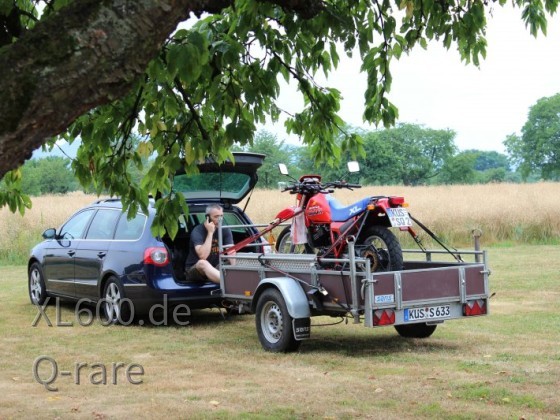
(285, 291)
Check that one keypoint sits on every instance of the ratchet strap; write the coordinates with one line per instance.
(455, 254)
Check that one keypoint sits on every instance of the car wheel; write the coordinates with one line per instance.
(116, 308)
(37, 289)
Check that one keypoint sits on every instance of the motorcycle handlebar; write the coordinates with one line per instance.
(304, 187)
(341, 184)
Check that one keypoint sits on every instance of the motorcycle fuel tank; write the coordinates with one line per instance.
(318, 210)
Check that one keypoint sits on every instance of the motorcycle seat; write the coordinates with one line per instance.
(340, 213)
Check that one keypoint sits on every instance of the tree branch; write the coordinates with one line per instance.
(85, 55)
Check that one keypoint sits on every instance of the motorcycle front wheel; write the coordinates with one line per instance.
(381, 247)
(284, 244)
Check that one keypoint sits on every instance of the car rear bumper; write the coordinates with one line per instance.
(146, 299)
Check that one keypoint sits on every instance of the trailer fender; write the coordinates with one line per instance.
(292, 292)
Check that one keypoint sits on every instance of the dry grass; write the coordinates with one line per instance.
(19, 233)
(520, 213)
(513, 213)
(506, 365)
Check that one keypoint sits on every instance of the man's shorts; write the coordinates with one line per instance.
(192, 275)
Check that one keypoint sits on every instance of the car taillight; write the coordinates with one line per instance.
(383, 317)
(157, 256)
(475, 307)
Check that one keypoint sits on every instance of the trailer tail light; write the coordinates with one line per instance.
(383, 317)
(475, 307)
(157, 256)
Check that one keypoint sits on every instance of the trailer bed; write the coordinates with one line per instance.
(424, 291)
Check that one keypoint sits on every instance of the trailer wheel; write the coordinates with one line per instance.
(415, 330)
(382, 249)
(284, 244)
(274, 323)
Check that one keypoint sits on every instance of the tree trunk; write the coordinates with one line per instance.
(86, 55)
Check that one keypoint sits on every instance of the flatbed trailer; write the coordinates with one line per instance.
(285, 290)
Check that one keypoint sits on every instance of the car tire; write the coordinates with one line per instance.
(117, 309)
(36, 285)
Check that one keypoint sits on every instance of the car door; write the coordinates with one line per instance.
(92, 251)
(58, 263)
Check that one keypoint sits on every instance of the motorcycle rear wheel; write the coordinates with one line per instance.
(379, 245)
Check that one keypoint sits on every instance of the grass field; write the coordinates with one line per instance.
(505, 365)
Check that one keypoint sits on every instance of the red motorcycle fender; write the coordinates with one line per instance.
(383, 203)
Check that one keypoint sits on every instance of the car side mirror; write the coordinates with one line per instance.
(49, 233)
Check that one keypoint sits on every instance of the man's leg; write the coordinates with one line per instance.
(213, 274)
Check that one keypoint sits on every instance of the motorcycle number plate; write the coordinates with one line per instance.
(399, 217)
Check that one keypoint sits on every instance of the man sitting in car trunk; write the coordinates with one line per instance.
(204, 248)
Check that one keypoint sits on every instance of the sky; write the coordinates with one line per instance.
(436, 89)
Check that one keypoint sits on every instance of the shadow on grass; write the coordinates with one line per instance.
(61, 312)
(195, 318)
(352, 345)
(333, 339)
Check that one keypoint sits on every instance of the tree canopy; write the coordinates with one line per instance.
(50, 175)
(419, 152)
(102, 70)
(276, 152)
(537, 150)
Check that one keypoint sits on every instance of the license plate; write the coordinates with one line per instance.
(426, 313)
(399, 217)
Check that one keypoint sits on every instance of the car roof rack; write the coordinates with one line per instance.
(106, 200)
(117, 199)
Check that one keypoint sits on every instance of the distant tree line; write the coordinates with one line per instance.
(49, 175)
(408, 154)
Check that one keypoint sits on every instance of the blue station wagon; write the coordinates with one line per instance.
(101, 256)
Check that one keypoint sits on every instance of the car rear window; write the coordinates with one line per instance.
(195, 218)
(209, 185)
(103, 224)
(130, 230)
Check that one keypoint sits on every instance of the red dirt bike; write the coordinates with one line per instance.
(328, 224)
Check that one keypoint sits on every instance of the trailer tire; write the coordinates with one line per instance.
(274, 323)
(415, 330)
(389, 253)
